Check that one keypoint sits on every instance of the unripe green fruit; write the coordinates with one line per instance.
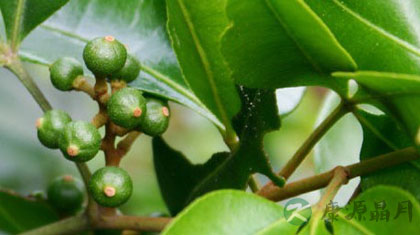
(156, 119)
(64, 71)
(130, 71)
(110, 186)
(80, 141)
(50, 127)
(126, 107)
(66, 194)
(104, 56)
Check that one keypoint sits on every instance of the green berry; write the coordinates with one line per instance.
(110, 186)
(156, 119)
(126, 107)
(50, 127)
(66, 194)
(130, 71)
(104, 56)
(80, 141)
(64, 71)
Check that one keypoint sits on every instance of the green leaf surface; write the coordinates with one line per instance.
(22, 16)
(141, 25)
(379, 34)
(196, 28)
(392, 196)
(269, 45)
(382, 135)
(223, 170)
(229, 212)
(19, 214)
(397, 93)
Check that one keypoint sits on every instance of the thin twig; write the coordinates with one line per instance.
(253, 184)
(309, 143)
(71, 225)
(275, 193)
(133, 223)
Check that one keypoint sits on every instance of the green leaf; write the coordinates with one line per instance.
(19, 214)
(223, 170)
(392, 196)
(381, 135)
(213, 213)
(379, 34)
(397, 93)
(22, 16)
(139, 24)
(196, 28)
(269, 45)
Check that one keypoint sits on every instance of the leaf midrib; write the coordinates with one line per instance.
(398, 41)
(205, 63)
(17, 24)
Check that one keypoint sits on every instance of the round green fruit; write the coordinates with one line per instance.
(50, 126)
(66, 194)
(156, 119)
(126, 107)
(64, 71)
(80, 141)
(104, 56)
(129, 72)
(110, 186)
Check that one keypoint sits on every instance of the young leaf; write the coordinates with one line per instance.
(138, 24)
(375, 203)
(269, 45)
(196, 27)
(19, 214)
(379, 34)
(213, 213)
(381, 135)
(257, 117)
(22, 16)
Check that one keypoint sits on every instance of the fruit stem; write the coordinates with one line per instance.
(310, 142)
(100, 119)
(125, 144)
(274, 193)
(253, 184)
(81, 84)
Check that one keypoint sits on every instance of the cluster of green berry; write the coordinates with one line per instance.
(128, 108)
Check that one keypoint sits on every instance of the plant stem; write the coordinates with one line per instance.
(310, 142)
(17, 68)
(133, 223)
(71, 225)
(253, 184)
(275, 193)
(339, 178)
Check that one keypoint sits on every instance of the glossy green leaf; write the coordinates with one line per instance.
(269, 45)
(229, 212)
(380, 35)
(19, 214)
(392, 197)
(382, 135)
(223, 170)
(22, 16)
(398, 94)
(196, 28)
(141, 25)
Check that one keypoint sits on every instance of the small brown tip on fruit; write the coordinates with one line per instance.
(109, 38)
(38, 122)
(137, 112)
(109, 191)
(68, 178)
(72, 150)
(165, 111)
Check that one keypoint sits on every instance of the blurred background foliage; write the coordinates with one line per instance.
(26, 166)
